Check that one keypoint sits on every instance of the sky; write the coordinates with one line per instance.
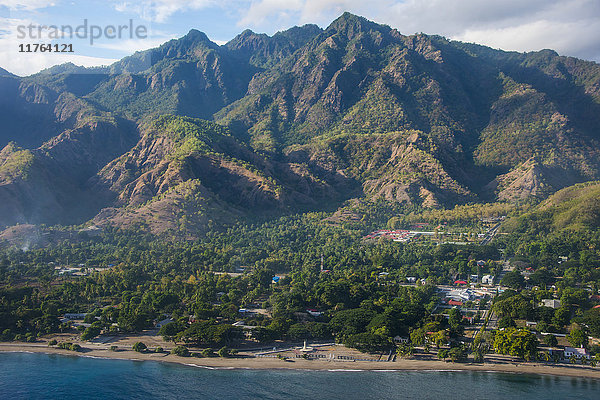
(571, 27)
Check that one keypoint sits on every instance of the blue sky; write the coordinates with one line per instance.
(572, 27)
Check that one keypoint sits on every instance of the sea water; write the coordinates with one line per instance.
(43, 376)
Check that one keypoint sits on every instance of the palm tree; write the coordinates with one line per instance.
(573, 359)
(555, 358)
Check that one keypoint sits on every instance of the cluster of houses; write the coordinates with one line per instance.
(397, 236)
(458, 296)
(80, 270)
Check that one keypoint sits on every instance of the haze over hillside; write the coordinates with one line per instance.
(192, 133)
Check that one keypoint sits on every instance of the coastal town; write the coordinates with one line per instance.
(471, 300)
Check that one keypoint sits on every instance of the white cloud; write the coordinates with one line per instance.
(288, 12)
(162, 10)
(26, 5)
(132, 45)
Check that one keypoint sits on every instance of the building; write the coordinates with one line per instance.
(72, 316)
(313, 312)
(552, 303)
(487, 279)
(246, 312)
(162, 323)
(411, 279)
(400, 339)
(578, 352)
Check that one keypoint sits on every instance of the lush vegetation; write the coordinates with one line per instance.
(362, 298)
(322, 137)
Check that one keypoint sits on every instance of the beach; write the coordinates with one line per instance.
(582, 371)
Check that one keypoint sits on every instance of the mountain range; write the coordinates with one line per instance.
(190, 134)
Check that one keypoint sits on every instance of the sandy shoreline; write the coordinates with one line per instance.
(582, 371)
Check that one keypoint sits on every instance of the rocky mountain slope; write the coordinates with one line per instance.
(301, 120)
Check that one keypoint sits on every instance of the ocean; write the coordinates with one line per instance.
(43, 376)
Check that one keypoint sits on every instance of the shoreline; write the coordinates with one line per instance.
(579, 371)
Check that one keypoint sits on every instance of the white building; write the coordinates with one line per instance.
(487, 279)
(578, 352)
(71, 316)
(400, 339)
(552, 303)
(462, 294)
(162, 323)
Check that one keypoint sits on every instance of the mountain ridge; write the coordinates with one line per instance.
(302, 120)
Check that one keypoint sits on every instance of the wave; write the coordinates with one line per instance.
(347, 370)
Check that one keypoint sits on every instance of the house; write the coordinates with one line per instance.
(552, 303)
(162, 323)
(411, 279)
(246, 312)
(474, 278)
(400, 339)
(453, 302)
(313, 312)
(72, 316)
(487, 279)
(578, 352)
(242, 324)
(480, 263)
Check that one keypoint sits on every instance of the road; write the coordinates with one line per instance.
(489, 235)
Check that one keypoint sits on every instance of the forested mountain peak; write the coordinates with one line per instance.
(312, 117)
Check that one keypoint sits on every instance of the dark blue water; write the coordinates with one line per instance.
(41, 376)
